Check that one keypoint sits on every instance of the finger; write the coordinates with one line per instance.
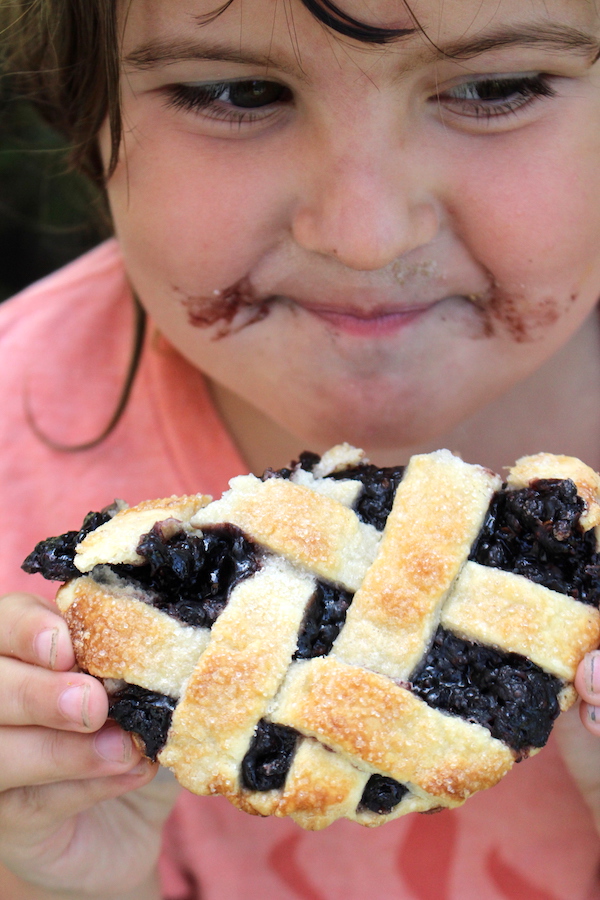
(587, 679)
(31, 629)
(30, 695)
(30, 755)
(26, 811)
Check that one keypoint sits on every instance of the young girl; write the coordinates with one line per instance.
(377, 223)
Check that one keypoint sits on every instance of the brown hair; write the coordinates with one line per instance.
(64, 57)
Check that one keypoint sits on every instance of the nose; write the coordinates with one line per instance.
(366, 208)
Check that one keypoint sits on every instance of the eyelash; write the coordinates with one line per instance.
(207, 99)
(511, 94)
(514, 93)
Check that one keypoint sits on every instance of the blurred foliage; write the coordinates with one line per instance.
(48, 215)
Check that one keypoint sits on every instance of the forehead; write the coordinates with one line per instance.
(274, 24)
(437, 15)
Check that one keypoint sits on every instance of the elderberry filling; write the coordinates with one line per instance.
(53, 557)
(144, 712)
(506, 693)
(536, 532)
(325, 615)
(190, 576)
(267, 762)
(376, 499)
(382, 794)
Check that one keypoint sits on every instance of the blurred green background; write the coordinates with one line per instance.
(48, 215)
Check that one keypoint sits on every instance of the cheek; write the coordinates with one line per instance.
(190, 218)
(535, 226)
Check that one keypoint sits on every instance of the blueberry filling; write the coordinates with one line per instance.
(53, 557)
(269, 757)
(377, 496)
(189, 576)
(536, 532)
(506, 693)
(382, 794)
(325, 615)
(146, 713)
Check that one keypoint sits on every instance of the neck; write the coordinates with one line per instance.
(556, 410)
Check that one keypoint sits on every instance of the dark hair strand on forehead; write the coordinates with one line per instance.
(336, 19)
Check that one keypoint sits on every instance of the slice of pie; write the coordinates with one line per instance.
(336, 639)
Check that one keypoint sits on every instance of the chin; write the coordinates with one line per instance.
(376, 438)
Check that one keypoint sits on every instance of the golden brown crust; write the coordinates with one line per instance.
(117, 636)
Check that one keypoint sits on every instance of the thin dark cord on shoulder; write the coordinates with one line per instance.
(132, 369)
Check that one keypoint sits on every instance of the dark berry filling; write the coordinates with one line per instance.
(307, 461)
(379, 489)
(382, 794)
(189, 576)
(53, 557)
(325, 615)
(269, 757)
(146, 713)
(379, 486)
(536, 532)
(506, 693)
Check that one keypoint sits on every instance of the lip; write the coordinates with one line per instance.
(360, 323)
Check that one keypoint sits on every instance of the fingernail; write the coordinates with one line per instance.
(114, 745)
(141, 768)
(592, 672)
(74, 704)
(593, 714)
(45, 646)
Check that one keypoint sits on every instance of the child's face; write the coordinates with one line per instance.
(368, 243)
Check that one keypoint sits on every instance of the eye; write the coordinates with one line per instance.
(498, 96)
(234, 101)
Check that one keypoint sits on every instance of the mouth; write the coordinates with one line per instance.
(377, 322)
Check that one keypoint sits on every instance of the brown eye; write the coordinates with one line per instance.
(252, 94)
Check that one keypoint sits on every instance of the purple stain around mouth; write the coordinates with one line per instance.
(232, 309)
(511, 313)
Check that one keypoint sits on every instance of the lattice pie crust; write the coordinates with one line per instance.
(384, 641)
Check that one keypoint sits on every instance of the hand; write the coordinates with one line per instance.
(581, 746)
(587, 683)
(65, 824)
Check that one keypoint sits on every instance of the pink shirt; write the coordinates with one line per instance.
(64, 345)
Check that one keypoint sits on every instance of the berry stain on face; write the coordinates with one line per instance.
(231, 309)
(509, 312)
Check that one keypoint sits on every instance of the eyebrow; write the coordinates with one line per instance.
(548, 37)
(555, 38)
(164, 53)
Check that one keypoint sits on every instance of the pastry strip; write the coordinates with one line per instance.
(305, 526)
(116, 541)
(396, 611)
(117, 636)
(501, 609)
(252, 643)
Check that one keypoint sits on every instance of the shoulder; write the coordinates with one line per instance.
(97, 278)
